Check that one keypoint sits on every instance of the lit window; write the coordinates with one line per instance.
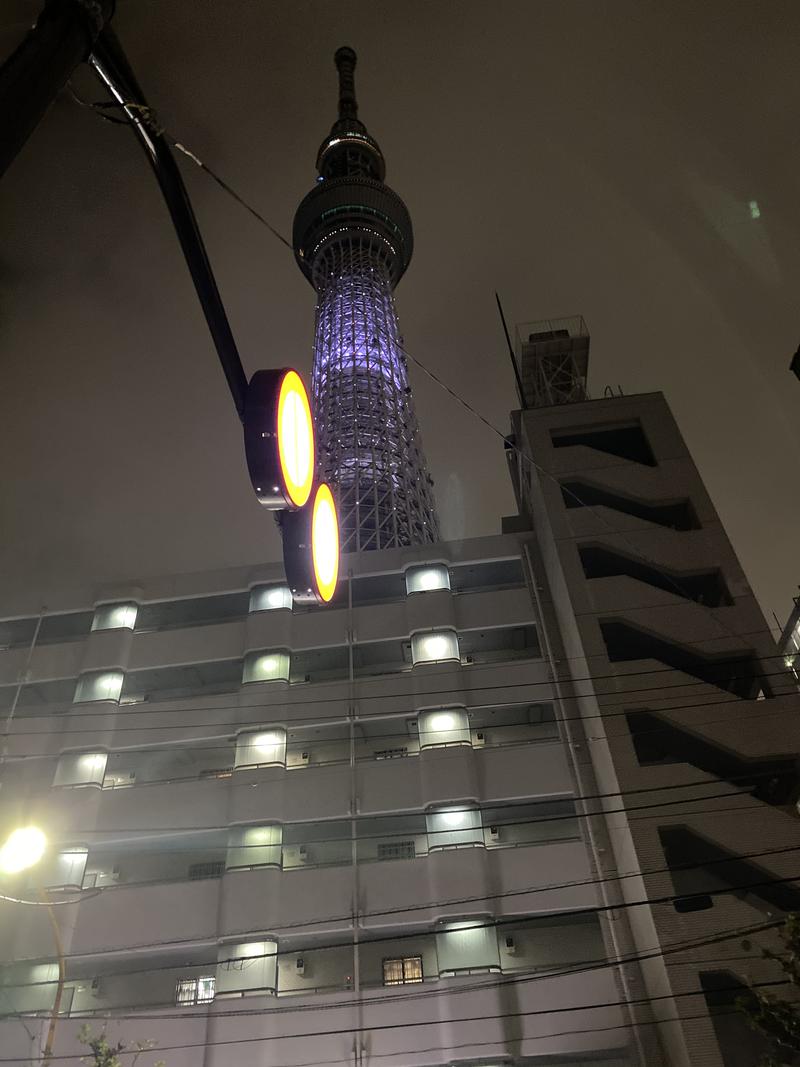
(80, 768)
(454, 827)
(195, 990)
(254, 846)
(448, 726)
(270, 598)
(261, 748)
(115, 617)
(406, 970)
(99, 685)
(247, 968)
(435, 646)
(425, 579)
(266, 667)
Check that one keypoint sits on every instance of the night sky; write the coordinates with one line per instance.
(593, 158)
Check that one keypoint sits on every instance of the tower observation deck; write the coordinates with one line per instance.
(353, 241)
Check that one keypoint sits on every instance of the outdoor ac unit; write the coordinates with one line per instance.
(494, 833)
(300, 965)
(511, 948)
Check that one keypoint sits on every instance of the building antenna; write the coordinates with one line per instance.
(510, 350)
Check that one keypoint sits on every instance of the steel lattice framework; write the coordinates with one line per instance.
(353, 240)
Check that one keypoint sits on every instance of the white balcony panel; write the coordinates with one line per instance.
(267, 898)
(527, 771)
(493, 607)
(146, 914)
(194, 644)
(432, 881)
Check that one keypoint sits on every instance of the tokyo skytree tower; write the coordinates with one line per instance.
(353, 241)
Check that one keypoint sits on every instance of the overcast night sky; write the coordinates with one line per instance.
(593, 158)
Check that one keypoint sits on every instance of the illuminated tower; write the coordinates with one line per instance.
(353, 241)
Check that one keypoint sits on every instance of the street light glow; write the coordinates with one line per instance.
(23, 848)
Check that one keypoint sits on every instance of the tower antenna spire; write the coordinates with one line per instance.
(346, 59)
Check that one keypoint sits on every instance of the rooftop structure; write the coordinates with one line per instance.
(353, 241)
(553, 356)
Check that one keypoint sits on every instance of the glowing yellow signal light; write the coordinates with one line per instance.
(325, 542)
(279, 438)
(295, 438)
(311, 548)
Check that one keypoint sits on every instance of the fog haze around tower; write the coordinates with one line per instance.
(634, 164)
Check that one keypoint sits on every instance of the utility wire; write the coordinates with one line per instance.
(149, 116)
(487, 807)
(153, 708)
(596, 909)
(484, 900)
(352, 1030)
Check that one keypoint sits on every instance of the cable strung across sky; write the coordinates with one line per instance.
(353, 241)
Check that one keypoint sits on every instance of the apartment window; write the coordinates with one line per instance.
(260, 749)
(396, 850)
(454, 827)
(404, 971)
(195, 990)
(266, 666)
(98, 685)
(115, 617)
(270, 598)
(434, 646)
(427, 578)
(391, 753)
(444, 726)
(80, 768)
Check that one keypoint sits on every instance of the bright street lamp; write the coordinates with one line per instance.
(23, 848)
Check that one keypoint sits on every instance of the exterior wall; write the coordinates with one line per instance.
(175, 784)
(725, 811)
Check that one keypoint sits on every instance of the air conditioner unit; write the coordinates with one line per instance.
(511, 947)
(494, 833)
(300, 965)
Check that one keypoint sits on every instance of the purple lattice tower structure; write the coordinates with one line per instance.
(353, 241)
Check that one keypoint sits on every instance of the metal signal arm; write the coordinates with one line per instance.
(112, 68)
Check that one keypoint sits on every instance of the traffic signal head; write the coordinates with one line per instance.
(311, 548)
(279, 438)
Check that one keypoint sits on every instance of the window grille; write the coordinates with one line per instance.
(396, 850)
(391, 753)
(212, 869)
(195, 990)
(404, 971)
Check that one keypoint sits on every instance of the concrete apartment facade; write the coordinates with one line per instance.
(359, 823)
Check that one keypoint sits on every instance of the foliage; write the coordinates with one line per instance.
(105, 1054)
(777, 1019)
